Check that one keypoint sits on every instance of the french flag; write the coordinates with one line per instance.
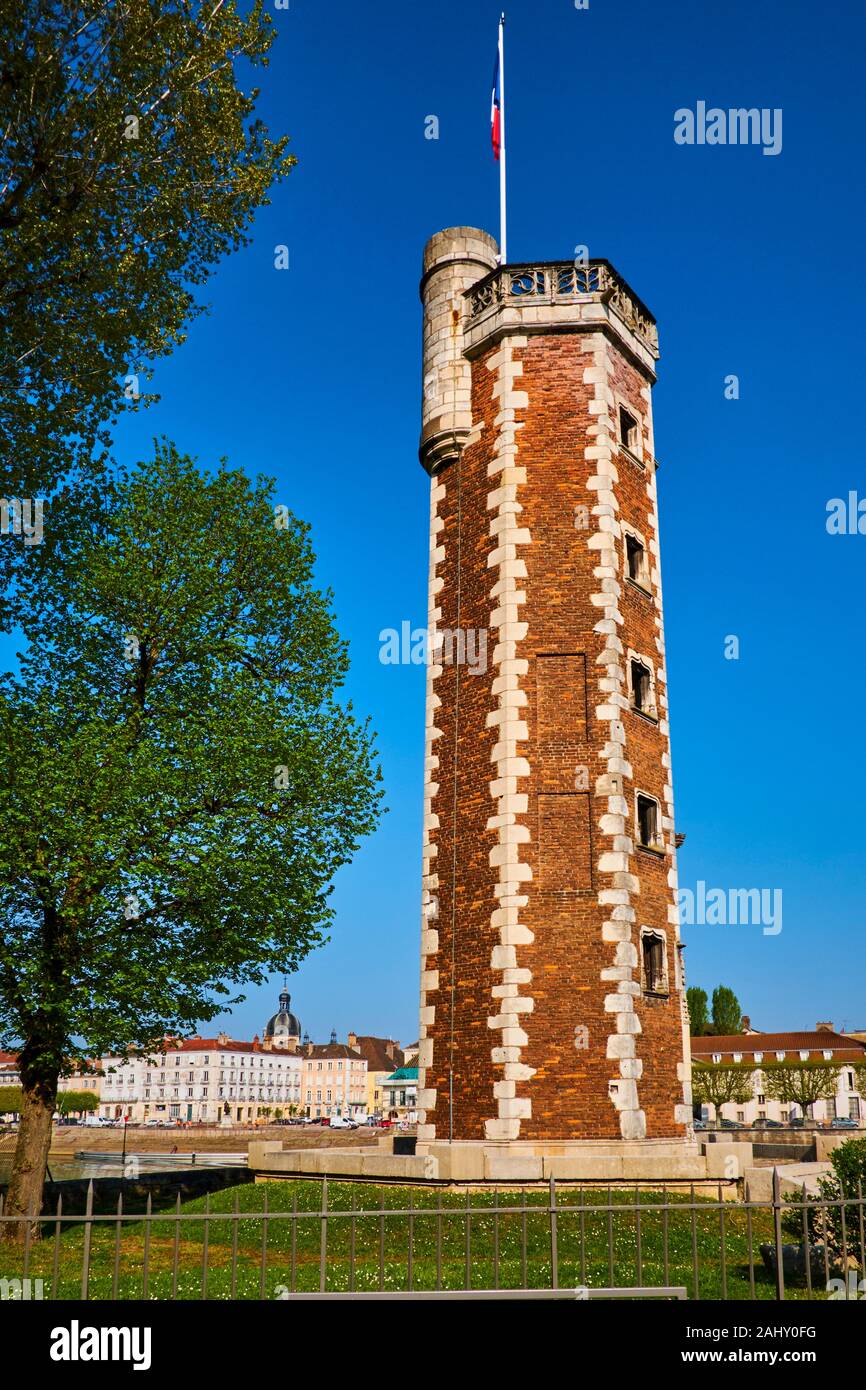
(496, 110)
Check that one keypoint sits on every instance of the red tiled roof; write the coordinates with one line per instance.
(843, 1047)
(200, 1045)
(213, 1045)
(375, 1052)
(330, 1050)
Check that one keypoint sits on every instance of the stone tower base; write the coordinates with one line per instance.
(652, 1161)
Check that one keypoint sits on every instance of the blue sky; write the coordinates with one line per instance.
(752, 265)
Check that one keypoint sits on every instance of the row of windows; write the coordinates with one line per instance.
(831, 1108)
(804, 1055)
(259, 1062)
(264, 1094)
(356, 1066)
(356, 1095)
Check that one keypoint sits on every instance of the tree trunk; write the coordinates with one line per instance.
(27, 1179)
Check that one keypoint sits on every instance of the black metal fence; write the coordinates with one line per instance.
(580, 1242)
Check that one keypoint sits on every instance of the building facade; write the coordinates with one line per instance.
(552, 994)
(844, 1051)
(400, 1096)
(334, 1081)
(202, 1081)
(381, 1055)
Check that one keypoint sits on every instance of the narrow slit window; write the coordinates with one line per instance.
(635, 560)
(628, 430)
(654, 973)
(648, 822)
(641, 688)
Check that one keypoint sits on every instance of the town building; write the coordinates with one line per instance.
(10, 1074)
(552, 993)
(334, 1081)
(400, 1091)
(221, 1080)
(382, 1055)
(753, 1049)
(216, 1080)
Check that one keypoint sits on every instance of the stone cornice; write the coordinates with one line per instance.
(559, 297)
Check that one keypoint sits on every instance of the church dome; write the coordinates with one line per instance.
(283, 1024)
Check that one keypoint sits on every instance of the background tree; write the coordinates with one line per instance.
(130, 161)
(77, 1102)
(180, 782)
(800, 1082)
(719, 1084)
(699, 1017)
(832, 1225)
(11, 1100)
(727, 1014)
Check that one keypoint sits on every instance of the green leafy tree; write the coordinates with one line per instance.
(131, 160)
(722, 1083)
(833, 1225)
(699, 1017)
(181, 783)
(802, 1083)
(77, 1102)
(11, 1100)
(727, 1014)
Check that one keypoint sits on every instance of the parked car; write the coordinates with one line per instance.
(730, 1124)
(767, 1124)
(699, 1125)
(843, 1122)
(797, 1123)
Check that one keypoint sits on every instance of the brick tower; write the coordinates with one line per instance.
(552, 992)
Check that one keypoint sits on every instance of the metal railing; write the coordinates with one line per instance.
(560, 1241)
(557, 282)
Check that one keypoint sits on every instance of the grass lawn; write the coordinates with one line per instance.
(252, 1258)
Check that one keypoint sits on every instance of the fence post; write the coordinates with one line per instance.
(777, 1223)
(85, 1258)
(323, 1245)
(554, 1251)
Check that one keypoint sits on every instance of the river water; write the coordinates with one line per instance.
(105, 1166)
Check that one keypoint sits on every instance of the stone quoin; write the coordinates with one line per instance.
(552, 989)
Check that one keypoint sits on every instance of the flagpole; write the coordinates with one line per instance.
(503, 254)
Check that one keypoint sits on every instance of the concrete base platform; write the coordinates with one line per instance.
(653, 1161)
